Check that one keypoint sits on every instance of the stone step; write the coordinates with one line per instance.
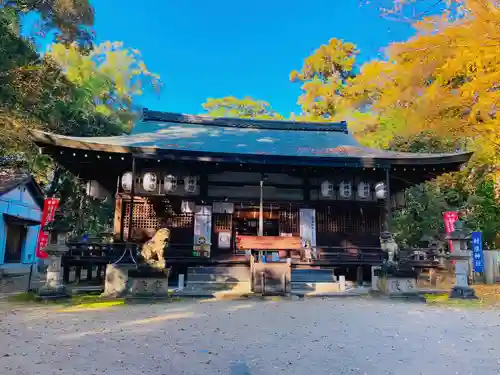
(218, 274)
(318, 287)
(313, 275)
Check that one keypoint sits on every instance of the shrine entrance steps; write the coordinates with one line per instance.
(237, 280)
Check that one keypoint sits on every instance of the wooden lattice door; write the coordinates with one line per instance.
(145, 221)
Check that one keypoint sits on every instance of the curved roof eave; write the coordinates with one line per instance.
(125, 144)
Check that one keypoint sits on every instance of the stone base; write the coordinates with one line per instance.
(53, 293)
(397, 286)
(147, 287)
(462, 292)
(116, 280)
(128, 280)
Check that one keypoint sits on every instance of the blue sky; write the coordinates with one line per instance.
(217, 48)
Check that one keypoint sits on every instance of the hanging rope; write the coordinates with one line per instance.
(128, 249)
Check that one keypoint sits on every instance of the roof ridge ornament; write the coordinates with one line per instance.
(158, 116)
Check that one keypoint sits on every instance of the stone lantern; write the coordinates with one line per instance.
(58, 230)
(462, 255)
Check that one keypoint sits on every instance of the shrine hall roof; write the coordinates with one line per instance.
(162, 133)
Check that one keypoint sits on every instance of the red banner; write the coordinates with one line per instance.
(450, 217)
(50, 206)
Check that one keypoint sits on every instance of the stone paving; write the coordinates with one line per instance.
(305, 337)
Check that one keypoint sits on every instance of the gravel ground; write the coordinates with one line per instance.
(308, 337)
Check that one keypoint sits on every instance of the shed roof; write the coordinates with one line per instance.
(160, 132)
(11, 178)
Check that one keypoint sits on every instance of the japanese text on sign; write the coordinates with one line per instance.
(50, 206)
(477, 252)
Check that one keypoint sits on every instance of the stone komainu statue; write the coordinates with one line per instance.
(389, 246)
(153, 251)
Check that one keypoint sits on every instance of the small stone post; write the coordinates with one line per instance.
(491, 266)
(181, 281)
(342, 283)
(462, 255)
(56, 248)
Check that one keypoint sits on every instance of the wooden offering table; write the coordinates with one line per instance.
(270, 262)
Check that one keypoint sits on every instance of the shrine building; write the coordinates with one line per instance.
(212, 180)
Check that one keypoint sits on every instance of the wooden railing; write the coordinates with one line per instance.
(349, 255)
(87, 261)
(93, 258)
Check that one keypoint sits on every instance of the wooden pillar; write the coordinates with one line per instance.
(359, 275)
(387, 201)
(131, 206)
(118, 219)
(66, 270)
(306, 188)
(203, 186)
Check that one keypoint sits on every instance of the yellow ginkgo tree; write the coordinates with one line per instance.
(323, 77)
(445, 79)
(110, 75)
(247, 107)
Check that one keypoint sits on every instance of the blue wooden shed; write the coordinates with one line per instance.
(21, 205)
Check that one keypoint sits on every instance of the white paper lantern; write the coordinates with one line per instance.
(327, 189)
(149, 182)
(363, 190)
(127, 181)
(345, 189)
(170, 183)
(380, 191)
(190, 184)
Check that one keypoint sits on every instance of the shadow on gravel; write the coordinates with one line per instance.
(239, 368)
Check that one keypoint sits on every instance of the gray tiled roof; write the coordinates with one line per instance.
(243, 137)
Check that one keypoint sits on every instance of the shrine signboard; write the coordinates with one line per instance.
(268, 243)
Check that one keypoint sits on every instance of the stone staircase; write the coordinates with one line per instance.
(237, 279)
(317, 281)
(205, 280)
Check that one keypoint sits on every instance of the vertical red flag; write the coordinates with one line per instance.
(50, 206)
(450, 217)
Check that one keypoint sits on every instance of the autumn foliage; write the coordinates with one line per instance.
(439, 91)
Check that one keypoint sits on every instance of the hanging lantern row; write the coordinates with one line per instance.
(150, 183)
(127, 181)
(170, 183)
(346, 190)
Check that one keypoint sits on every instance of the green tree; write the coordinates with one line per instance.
(470, 191)
(71, 20)
(247, 107)
(70, 92)
(110, 78)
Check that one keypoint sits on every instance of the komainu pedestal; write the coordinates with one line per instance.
(148, 278)
(147, 282)
(116, 280)
(395, 280)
